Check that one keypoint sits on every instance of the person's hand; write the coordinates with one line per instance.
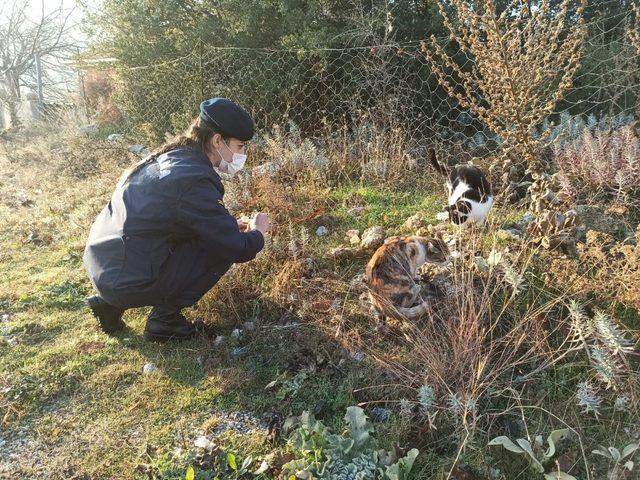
(261, 223)
(242, 225)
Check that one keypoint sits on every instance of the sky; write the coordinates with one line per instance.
(36, 7)
(64, 79)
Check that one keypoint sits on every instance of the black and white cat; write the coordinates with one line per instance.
(470, 195)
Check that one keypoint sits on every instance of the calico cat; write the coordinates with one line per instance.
(391, 274)
(470, 195)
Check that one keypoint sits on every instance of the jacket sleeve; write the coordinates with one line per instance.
(200, 209)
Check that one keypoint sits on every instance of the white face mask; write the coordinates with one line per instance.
(235, 165)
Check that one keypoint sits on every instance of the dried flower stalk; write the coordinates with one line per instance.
(523, 61)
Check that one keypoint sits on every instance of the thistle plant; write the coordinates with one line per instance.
(538, 457)
(427, 400)
(604, 342)
(588, 398)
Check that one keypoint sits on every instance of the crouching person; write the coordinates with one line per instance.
(166, 238)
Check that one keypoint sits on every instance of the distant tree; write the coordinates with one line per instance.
(23, 42)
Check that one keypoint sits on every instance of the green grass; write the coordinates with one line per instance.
(384, 207)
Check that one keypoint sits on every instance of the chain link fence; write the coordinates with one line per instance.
(377, 87)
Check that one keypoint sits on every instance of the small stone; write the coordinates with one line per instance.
(357, 356)
(149, 368)
(415, 221)
(89, 129)
(239, 352)
(5, 317)
(342, 252)
(442, 216)
(373, 237)
(353, 237)
(34, 237)
(115, 137)
(526, 220)
(237, 333)
(379, 414)
(322, 231)
(204, 442)
(355, 211)
(139, 149)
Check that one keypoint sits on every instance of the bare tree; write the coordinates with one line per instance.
(22, 42)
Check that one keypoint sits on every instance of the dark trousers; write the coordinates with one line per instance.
(184, 279)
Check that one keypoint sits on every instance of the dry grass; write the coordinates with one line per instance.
(604, 269)
(366, 153)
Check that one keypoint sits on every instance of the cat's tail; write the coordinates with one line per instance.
(440, 167)
(385, 307)
(413, 312)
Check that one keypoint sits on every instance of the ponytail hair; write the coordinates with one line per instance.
(196, 136)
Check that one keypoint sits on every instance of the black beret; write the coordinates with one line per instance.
(227, 117)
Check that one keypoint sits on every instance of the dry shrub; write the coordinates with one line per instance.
(98, 91)
(289, 206)
(523, 62)
(600, 162)
(236, 296)
(287, 280)
(605, 270)
(364, 152)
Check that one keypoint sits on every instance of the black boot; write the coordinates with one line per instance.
(166, 323)
(109, 317)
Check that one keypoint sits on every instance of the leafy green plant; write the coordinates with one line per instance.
(614, 455)
(349, 456)
(238, 471)
(536, 454)
(287, 386)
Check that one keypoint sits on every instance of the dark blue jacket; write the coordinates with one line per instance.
(171, 201)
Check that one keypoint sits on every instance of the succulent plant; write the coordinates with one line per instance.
(349, 456)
